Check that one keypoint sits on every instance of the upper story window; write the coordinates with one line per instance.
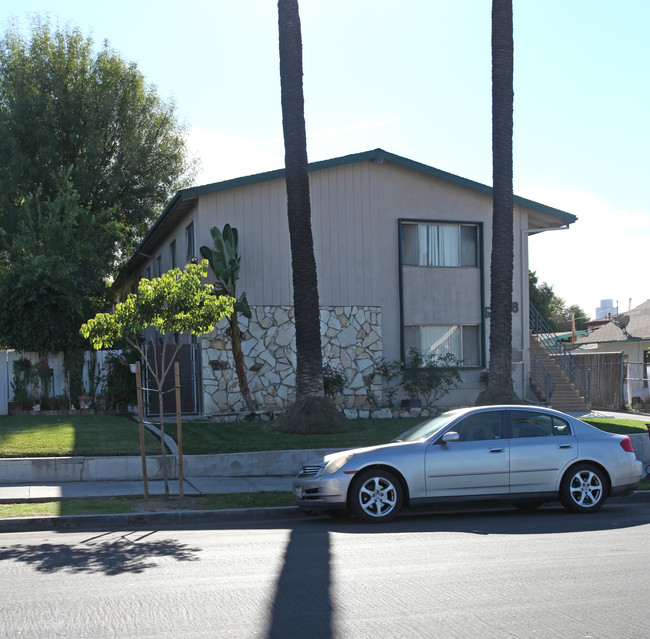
(158, 266)
(439, 244)
(172, 254)
(189, 242)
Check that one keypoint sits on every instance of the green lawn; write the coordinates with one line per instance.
(240, 437)
(619, 426)
(71, 435)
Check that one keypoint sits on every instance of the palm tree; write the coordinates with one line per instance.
(499, 388)
(311, 402)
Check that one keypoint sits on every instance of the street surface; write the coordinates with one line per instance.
(498, 573)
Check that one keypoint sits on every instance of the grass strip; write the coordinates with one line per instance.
(119, 505)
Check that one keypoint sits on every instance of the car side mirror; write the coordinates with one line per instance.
(451, 436)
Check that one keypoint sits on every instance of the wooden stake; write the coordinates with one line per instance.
(179, 429)
(138, 383)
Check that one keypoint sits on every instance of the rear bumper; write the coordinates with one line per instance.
(624, 490)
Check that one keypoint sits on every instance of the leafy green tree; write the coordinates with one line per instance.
(89, 155)
(52, 270)
(225, 263)
(542, 297)
(172, 304)
(311, 404)
(499, 388)
(553, 308)
(430, 377)
(575, 313)
(65, 107)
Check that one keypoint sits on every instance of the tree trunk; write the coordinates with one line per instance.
(238, 356)
(309, 376)
(311, 410)
(163, 459)
(500, 388)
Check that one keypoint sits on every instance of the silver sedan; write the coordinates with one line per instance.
(521, 454)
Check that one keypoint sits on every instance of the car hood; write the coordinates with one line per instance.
(325, 459)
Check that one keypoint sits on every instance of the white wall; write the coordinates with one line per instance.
(4, 383)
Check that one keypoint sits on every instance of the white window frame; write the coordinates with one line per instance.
(439, 244)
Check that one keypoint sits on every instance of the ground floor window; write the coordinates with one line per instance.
(462, 341)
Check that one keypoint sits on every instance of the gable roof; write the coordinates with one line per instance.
(636, 328)
(184, 200)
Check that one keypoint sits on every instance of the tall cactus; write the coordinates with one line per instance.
(225, 262)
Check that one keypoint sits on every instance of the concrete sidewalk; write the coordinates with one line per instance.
(192, 486)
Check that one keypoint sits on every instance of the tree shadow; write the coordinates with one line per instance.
(302, 606)
(98, 555)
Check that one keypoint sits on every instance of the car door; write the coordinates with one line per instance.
(476, 464)
(541, 446)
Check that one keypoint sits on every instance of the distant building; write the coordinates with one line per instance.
(605, 309)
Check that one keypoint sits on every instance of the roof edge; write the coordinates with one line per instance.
(377, 155)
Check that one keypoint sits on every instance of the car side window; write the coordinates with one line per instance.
(532, 424)
(560, 427)
(480, 426)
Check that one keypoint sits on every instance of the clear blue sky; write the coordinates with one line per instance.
(413, 77)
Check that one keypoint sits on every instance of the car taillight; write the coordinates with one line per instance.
(626, 445)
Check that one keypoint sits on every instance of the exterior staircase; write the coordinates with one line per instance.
(553, 387)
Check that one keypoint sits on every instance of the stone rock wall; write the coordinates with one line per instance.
(350, 336)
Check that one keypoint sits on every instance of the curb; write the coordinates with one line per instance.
(178, 518)
(170, 518)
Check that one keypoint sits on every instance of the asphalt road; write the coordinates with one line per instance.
(500, 573)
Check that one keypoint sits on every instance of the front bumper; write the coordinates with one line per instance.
(322, 492)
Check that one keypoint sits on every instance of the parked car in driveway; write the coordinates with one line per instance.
(522, 454)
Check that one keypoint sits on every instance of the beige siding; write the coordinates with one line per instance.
(355, 213)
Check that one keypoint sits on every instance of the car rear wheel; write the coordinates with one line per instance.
(583, 489)
(376, 495)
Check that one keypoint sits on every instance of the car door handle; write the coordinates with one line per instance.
(497, 450)
(565, 445)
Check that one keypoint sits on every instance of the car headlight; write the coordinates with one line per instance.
(336, 464)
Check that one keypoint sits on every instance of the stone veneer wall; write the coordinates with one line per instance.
(351, 340)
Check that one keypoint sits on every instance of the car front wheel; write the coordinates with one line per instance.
(583, 489)
(376, 495)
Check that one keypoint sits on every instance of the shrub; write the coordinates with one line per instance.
(430, 378)
(119, 381)
(333, 380)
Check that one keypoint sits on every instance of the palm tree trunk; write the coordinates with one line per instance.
(309, 375)
(500, 388)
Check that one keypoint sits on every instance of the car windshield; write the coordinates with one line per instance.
(426, 429)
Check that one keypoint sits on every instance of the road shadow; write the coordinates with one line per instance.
(507, 520)
(129, 553)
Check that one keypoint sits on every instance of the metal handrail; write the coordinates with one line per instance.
(541, 377)
(557, 349)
